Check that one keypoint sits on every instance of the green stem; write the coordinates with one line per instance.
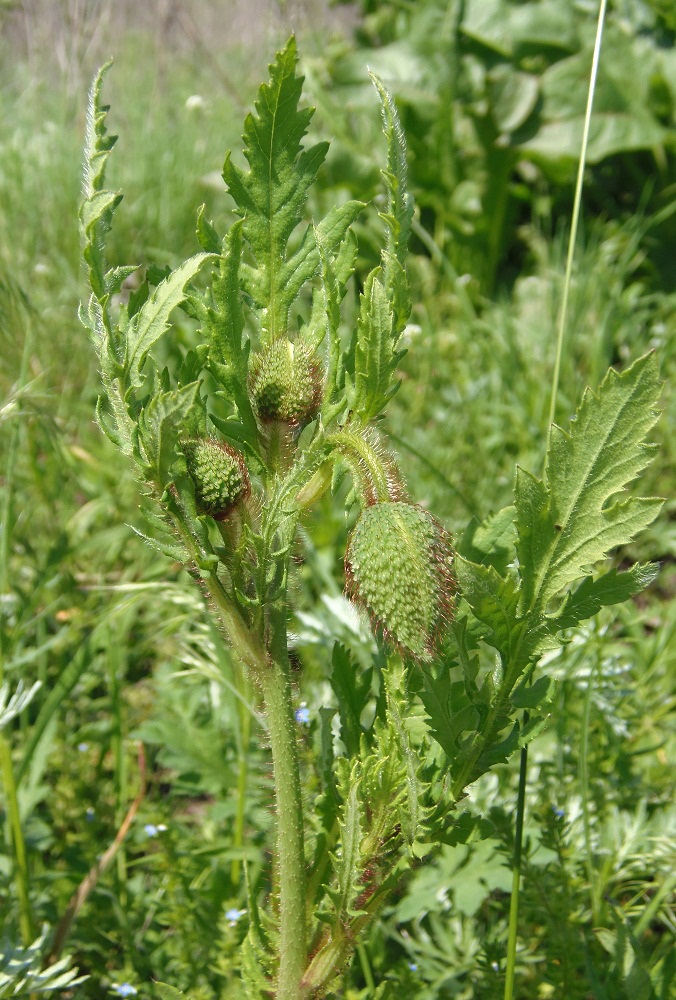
(583, 773)
(516, 874)
(242, 763)
(14, 829)
(18, 843)
(273, 679)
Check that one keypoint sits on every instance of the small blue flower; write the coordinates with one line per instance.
(413, 966)
(234, 915)
(303, 715)
(151, 829)
(83, 747)
(559, 813)
(90, 814)
(124, 990)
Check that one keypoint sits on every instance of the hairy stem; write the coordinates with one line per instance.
(275, 686)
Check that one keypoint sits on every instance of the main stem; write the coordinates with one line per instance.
(274, 681)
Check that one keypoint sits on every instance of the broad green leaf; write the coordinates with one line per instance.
(159, 426)
(166, 992)
(272, 194)
(573, 519)
(491, 542)
(152, 319)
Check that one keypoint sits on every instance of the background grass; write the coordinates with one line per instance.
(118, 637)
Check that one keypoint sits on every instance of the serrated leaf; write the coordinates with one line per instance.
(159, 426)
(572, 519)
(272, 194)
(152, 319)
(531, 695)
(352, 687)
(611, 588)
(374, 358)
(399, 214)
(331, 231)
(223, 327)
(449, 711)
(98, 206)
(175, 552)
(490, 542)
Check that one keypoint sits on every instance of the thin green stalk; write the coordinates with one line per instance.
(366, 968)
(14, 828)
(516, 875)
(583, 774)
(563, 317)
(575, 218)
(18, 843)
(240, 810)
(274, 681)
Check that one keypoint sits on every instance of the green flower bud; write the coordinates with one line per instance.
(219, 473)
(285, 382)
(398, 566)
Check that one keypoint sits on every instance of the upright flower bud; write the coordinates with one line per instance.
(398, 566)
(219, 474)
(285, 382)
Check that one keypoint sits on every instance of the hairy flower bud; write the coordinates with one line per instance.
(219, 473)
(285, 382)
(398, 566)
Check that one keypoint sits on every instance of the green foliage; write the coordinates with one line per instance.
(22, 975)
(123, 648)
(492, 96)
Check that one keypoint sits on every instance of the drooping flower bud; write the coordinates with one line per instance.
(219, 473)
(285, 382)
(398, 565)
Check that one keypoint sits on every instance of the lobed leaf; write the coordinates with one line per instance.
(571, 520)
(272, 194)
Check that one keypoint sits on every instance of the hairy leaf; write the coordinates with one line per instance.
(571, 520)
(374, 359)
(399, 214)
(272, 194)
(159, 426)
(352, 686)
(152, 320)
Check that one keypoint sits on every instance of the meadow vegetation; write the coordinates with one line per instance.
(133, 756)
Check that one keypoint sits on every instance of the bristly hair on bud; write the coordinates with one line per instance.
(219, 474)
(398, 566)
(286, 382)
